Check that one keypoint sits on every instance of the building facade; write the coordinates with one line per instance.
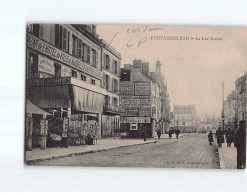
(66, 71)
(185, 118)
(140, 99)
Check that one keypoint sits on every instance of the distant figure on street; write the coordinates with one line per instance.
(240, 144)
(229, 137)
(170, 134)
(177, 133)
(159, 133)
(220, 137)
(210, 138)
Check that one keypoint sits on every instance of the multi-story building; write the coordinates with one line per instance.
(185, 118)
(74, 76)
(241, 97)
(140, 99)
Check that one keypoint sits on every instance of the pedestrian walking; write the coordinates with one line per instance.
(240, 144)
(177, 132)
(170, 134)
(159, 133)
(229, 137)
(210, 138)
(220, 137)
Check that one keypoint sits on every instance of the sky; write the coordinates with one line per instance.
(193, 69)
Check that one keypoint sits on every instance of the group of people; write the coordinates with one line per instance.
(238, 138)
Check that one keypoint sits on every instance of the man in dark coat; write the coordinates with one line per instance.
(229, 137)
(220, 137)
(240, 144)
(210, 138)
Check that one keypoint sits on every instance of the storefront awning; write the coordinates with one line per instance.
(53, 96)
(32, 109)
(87, 101)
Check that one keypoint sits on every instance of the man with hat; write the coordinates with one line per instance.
(240, 144)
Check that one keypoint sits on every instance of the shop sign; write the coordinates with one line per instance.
(142, 88)
(134, 97)
(135, 103)
(138, 119)
(46, 65)
(126, 88)
(49, 81)
(51, 51)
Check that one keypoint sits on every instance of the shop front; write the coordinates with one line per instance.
(75, 111)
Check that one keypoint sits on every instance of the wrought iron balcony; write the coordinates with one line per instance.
(111, 109)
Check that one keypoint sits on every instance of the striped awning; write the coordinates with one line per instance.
(32, 109)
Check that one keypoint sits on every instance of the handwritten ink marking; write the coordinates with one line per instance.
(128, 45)
(143, 40)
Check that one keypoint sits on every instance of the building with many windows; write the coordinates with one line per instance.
(73, 75)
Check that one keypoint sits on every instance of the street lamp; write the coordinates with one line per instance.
(145, 139)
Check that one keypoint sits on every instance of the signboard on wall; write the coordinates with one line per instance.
(57, 54)
(126, 88)
(138, 119)
(46, 65)
(142, 88)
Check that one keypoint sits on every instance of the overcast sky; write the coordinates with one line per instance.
(194, 69)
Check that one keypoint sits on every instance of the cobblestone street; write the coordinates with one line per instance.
(189, 151)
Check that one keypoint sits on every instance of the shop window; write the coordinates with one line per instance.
(92, 81)
(83, 77)
(94, 58)
(125, 75)
(74, 74)
(133, 126)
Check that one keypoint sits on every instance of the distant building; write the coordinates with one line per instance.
(185, 118)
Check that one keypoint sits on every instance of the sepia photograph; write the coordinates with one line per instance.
(135, 96)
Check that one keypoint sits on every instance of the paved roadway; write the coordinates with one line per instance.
(189, 151)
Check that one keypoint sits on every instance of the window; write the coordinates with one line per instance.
(64, 39)
(88, 54)
(92, 81)
(57, 70)
(33, 65)
(61, 37)
(83, 77)
(74, 46)
(94, 57)
(80, 49)
(38, 30)
(133, 126)
(107, 62)
(74, 74)
(107, 82)
(125, 75)
(115, 69)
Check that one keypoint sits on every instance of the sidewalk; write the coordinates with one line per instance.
(38, 154)
(228, 157)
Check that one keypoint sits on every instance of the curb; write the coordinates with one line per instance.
(221, 158)
(30, 162)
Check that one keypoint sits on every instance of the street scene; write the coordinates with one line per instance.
(136, 96)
